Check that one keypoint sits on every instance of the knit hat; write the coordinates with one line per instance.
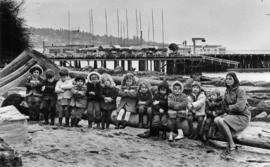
(196, 83)
(63, 72)
(49, 73)
(36, 67)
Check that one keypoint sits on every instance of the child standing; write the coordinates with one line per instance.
(33, 92)
(63, 90)
(177, 104)
(214, 109)
(108, 99)
(197, 109)
(144, 103)
(78, 101)
(128, 94)
(49, 96)
(93, 98)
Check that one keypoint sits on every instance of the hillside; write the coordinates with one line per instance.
(60, 37)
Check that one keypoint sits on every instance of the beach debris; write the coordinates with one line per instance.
(9, 157)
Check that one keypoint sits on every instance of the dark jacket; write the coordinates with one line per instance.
(163, 102)
(91, 87)
(49, 91)
(111, 92)
(214, 106)
(145, 97)
(33, 87)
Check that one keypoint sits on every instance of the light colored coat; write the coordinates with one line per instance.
(63, 89)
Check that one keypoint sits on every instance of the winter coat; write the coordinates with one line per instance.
(199, 104)
(93, 87)
(128, 99)
(33, 86)
(111, 92)
(163, 102)
(49, 91)
(214, 106)
(177, 104)
(65, 86)
(235, 102)
(78, 99)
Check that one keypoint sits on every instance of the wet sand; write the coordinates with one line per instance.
(82, 147)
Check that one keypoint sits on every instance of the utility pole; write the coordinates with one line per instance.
(68, 28)
(137, 38)
(106, 25)
(141, 33)
(162, 28)
(127, 24)
(118, 25)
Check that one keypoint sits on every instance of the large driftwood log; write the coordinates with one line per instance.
(8, 157)
(15, 64)
(20, 81)
(20, 71)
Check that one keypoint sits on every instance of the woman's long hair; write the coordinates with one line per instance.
(236, 82)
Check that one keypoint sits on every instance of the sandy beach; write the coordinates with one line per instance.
(82, 147)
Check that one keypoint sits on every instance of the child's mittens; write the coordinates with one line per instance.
(92, 93)
(43, 88)
(161, 110)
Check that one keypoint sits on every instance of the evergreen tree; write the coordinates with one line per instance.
(14, 36)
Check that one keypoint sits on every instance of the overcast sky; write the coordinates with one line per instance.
(236, 24)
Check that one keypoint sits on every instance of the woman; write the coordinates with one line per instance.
(236, 106)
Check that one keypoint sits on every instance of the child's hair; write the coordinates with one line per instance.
(196, 83)
(105, 77)
(49, 73)
(34, 68)
(63, 72)
(128, 76)
(147, 84)
(216, 92)
(79, 78)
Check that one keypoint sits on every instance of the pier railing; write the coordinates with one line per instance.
(220, 61)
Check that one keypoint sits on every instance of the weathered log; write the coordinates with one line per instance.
(8, 157)
(20, 81)
(20, 71)
(15, 64)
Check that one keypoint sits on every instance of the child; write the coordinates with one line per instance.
(144, 103)
(197, 109)
(160, 108)
(108, 99)
(93, 98)
(128, 94)
(214, 109)
(49, 96)
(177, 104)
(63, 90)
(33, 92)
(78, 101)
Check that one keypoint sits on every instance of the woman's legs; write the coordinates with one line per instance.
(171, 124)
(225, 130)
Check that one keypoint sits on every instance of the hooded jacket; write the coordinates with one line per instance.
(199, 101)
(34, 85)
(78, 99)
(93, 87)
(177, 103)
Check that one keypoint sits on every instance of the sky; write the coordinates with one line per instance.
(235, 24)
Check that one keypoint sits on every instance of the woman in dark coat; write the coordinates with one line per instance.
(236, 106)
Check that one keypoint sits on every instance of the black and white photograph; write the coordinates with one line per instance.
(125, 83)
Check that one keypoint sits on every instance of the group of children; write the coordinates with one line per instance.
(165, 108)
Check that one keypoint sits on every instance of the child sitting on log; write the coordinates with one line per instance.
(108, 99)
(78, 101)
(33, 92)
(49, 96)
(63, 90)
(128, 95)
(144, 103)
(214, 109)
(93, 99)
(196, 107)
(177, 104)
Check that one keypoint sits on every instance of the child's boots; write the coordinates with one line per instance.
(180, 134)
